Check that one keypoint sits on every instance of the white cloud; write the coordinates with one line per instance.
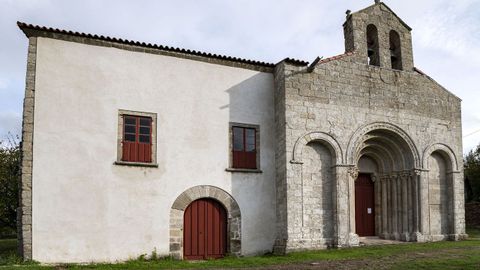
(452, 29)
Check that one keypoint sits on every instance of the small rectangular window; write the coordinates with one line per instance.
(244, 148)
(137, 137)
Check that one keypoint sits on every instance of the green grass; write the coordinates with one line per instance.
(473, 232)
(438, 255)
(8, 252)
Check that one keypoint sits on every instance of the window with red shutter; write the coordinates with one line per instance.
(244, 147)
(137, 139)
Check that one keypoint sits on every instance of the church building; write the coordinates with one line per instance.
(131, 148)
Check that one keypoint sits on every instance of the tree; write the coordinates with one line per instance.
(9, 183)
(472, 174)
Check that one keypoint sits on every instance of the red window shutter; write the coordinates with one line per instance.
(238, 159)
(250, 160)
(137, 139)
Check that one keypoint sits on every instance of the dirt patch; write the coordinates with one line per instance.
(375, 263)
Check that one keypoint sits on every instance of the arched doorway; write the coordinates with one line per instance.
(364, 205)
(204, 192)
(392, 159)
(205, 230)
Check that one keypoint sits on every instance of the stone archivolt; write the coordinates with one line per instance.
(390, 137)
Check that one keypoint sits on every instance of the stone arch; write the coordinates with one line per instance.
(322, 137)
(387, 158)
(198, 192)
(441, 189)
(358, 138)
(389, 146)
(383, 162)
(445, 151)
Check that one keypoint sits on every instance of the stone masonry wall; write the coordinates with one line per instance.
(25, 199)
(438, 195)
(340, 95)
(385, 20)
(317, 188)
(280, 160)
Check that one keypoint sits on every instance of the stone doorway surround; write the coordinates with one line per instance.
(402, 183)
(234, 236)
(396, 181)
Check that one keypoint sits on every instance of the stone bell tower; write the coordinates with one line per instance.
(379, 37)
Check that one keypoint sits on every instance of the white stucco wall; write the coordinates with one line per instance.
(85, 208)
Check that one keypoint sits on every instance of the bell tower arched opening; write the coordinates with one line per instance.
(395, 50)
(373, 46)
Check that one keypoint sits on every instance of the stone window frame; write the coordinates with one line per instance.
(230, 147)
(151, 115)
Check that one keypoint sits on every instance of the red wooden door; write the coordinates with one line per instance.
(364, 206)
(204, 230)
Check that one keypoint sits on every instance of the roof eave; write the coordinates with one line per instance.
(41, 31)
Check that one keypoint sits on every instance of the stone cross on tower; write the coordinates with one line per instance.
(377, 1)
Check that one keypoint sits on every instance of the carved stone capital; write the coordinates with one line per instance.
(415, 172)
(353, 172)
(385, 177)
(404, 176)
(394, 176)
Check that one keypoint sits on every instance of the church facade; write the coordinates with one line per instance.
(131, 148)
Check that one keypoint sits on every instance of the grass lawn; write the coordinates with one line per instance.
(473, 232)
(438, 255)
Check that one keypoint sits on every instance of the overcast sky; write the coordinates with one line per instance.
(446, 37)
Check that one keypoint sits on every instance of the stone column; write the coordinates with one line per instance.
(342, 204)
(458, 207)
(389, 206)
(415, 183)
(399, 206)
(352, 236)
(395, 205)
(410, 204)
(423, 205)
(404, 191)
(384, 180)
